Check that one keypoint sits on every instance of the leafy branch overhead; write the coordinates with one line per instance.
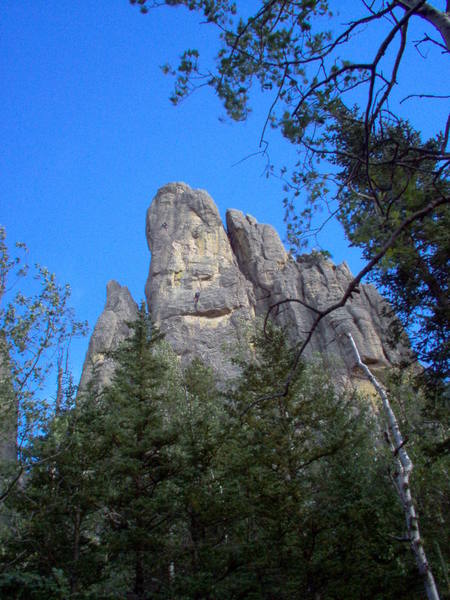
(338, 91)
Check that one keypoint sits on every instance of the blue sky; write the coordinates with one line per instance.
(88, 136)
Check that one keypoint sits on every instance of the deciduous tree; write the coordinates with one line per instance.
(36, 321)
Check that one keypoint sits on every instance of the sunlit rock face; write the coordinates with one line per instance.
(110, 330)
(196, 292)
(206, 284)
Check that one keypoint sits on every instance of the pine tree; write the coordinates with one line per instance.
(199, 538)
(138, 437)
(55, 515)
(162, 486)
(95, 510)
(319, 518)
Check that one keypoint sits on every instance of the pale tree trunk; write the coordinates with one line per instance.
(59, 384)
(438, 18)
(404, 467)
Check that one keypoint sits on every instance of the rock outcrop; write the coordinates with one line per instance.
(195, 290)
(238, 275)
(205, 284)
(318, 283)
(111, 329)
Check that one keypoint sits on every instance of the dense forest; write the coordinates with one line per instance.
(164, 484)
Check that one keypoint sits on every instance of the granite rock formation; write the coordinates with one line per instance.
(110, 330)
(238, 275)
(315, 280)
(205, 284)
(196, 292)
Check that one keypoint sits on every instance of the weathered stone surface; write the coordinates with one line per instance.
(110, 330)
(205, 285)
(195, 290)
(318, 283)
(239, 275)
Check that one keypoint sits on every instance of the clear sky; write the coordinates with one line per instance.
(88, 136)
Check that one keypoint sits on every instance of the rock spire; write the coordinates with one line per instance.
(238, 274)
(110, 330)
(206, 283)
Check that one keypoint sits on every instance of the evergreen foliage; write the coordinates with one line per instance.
(162, 485)
(413, 273)
(138, 436)
(320, 506)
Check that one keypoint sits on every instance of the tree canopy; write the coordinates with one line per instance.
(162, 485)
(36, 326)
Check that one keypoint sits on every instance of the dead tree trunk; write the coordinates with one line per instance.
(404, 467)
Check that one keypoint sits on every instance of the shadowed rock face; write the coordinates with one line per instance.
(205, 284)
(110, 330)
(319, 283)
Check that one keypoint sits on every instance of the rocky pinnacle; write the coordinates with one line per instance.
(196, 292)
(207, 284)
(110, 329)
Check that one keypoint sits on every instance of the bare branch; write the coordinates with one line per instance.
(287, 301)
(426, 38)
(440, 20)
(353, 285)
(393, 81)
(11, 485)
(334, 75)
(280, 89)
(446, 134)
(436, 96)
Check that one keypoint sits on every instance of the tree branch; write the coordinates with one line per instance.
(440, 20)
(351, 288)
